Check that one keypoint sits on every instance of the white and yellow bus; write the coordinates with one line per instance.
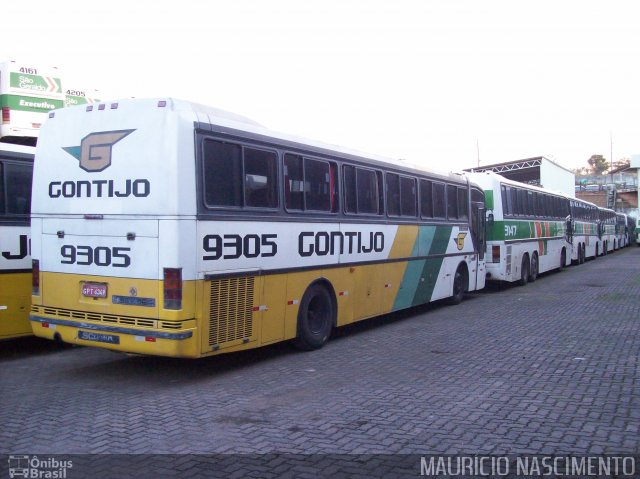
(16, 167)
(527, 230)
(164, 227)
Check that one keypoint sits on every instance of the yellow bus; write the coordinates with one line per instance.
(164, 227)
(16, 167)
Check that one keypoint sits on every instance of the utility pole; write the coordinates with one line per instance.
(611, 154)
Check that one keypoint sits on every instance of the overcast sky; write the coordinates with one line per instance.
(428, 81)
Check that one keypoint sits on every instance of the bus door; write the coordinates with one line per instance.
(478, 232)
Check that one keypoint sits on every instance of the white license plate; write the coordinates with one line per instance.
(94, 290)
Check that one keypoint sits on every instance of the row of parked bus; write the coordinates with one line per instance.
(164, 227)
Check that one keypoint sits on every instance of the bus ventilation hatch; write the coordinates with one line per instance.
(230, 310)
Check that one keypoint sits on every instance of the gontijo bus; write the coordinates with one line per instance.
(16, 165)
(168, 228)
(527, 230)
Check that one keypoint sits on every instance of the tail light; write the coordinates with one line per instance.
(6, 114)
(495, 253)
(35, 277)
(172, 288)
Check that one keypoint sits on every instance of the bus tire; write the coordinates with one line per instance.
(524, 270)
(460, 285)
(583, 253)
(316, 317)
(563, 259)
(597, 251)
(535, 267)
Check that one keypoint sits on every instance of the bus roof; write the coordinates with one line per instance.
(209, 116)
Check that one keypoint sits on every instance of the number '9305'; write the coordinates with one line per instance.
(100, 256)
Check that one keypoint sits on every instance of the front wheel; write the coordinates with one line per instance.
(316, 317)
(563, 259)
(459, 286)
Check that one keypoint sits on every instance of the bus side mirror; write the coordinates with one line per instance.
(490, 220)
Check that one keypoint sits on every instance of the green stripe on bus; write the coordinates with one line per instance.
(421, 276)
(28, 103)
(524, 229)
(441, 240)
(410, 282)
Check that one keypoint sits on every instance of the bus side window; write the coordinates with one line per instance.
(463, 204)
(452, 202)
(222, 174)
(439, 201)
(426, 199)
(350, 190)
(408, 197)
(260, 173)
(392, 183)
(293, 182)
(367, 191)
(317, 182)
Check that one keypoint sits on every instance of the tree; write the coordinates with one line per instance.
(621, 164)
(598, 164)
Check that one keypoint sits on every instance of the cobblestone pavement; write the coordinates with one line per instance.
(549, 368)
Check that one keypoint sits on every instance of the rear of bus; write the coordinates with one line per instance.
(113, 226)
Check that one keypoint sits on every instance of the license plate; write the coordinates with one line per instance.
(94, 290)
(99, 337)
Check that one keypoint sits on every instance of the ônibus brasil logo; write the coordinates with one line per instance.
(94, 152)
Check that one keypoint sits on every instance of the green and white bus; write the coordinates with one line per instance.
(27, 94)
(527, 230)
(622, 231)
(608, 229)
(164, 227)
(584, 233)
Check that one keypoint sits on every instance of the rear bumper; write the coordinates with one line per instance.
(181, 343)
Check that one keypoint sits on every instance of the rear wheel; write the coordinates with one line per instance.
(563, 258)
(524, 270)
(316, 317)
(535, 267)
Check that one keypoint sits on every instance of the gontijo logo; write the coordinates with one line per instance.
(459, 240)
(94, 152)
